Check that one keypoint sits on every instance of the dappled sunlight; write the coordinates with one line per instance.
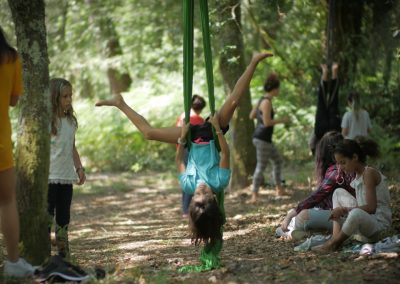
(141, 228)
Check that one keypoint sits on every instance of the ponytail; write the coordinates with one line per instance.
(360, 146)
(354, 99)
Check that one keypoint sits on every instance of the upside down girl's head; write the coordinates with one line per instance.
(61, 102)
(205, 217)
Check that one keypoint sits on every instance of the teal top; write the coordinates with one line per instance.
(203, 167)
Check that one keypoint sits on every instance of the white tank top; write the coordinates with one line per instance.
(383, 212)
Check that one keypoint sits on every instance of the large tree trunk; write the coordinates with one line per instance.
(119, 81)
(33, 135)
(232, 65)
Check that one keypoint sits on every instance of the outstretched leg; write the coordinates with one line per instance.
(167, 134)
(232, 101)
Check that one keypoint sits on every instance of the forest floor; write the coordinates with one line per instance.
(131, 226)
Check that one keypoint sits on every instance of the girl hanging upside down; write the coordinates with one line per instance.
(207, 172)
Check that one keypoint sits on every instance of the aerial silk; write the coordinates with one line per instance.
(210, 254)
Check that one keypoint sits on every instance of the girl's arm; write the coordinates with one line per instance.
(80, 170)
(371, 180)
(345, 132)
(266, 108)
(241, 86)
(180, 163)
(253, 112)
(167, 134)
(224, 154)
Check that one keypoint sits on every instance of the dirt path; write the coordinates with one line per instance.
(132, 227)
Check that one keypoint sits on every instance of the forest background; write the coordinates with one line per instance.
(135, 47)
(96, 43)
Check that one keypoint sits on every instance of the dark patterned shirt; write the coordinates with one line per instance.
(322, 196)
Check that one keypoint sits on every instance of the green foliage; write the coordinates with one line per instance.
(150, 36)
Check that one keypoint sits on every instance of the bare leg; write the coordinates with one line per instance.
(337, 239)
(232, 101)
(9, 213)
(167, 134)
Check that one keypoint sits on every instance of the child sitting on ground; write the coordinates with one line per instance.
(369, 213)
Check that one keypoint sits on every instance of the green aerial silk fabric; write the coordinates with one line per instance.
(209, 255)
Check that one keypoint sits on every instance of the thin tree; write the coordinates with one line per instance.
(232, 65)
(33, 135)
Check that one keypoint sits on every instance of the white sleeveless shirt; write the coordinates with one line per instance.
(383, 212)
(62, 169)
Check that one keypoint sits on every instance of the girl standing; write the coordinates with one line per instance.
(10, 91)
(65, 164)
(356, 121)
(262, 137)
(369, 213)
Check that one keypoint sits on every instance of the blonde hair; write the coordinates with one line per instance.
(57, 85)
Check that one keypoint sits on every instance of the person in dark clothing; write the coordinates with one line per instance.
(327, 117)
(262, 137)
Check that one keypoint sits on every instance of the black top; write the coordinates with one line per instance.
(262, 132)
(204, 131)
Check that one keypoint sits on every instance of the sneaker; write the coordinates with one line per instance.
(18, 269)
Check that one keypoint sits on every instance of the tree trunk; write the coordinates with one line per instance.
(33, 136)
(119, 81)
(232, 65)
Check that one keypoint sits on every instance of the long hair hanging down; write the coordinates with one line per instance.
(205, 220)
(7, 52)
(354, 99)
(324, 153)
(57, 85)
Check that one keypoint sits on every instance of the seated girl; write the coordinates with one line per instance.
(313, 212)
(369, 213)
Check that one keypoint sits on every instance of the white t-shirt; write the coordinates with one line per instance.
(62, 169)
(356, 126)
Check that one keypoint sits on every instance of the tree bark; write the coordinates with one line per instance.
(33, 136)
(232, 65)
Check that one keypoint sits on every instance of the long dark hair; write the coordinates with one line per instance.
(56, 87)
(360, 146)
(205, 220)
(7, 52)
(324, 154)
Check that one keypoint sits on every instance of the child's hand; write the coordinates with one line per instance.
(117, 101)
(214, 120)
(82, 176)
(185, 130)
(337, 213)
(257, 57)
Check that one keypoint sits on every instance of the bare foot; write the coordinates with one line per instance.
(335, 67)
(116, 100)
(254, 198)
(280, 191)
(325, 248)
(324, 68)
